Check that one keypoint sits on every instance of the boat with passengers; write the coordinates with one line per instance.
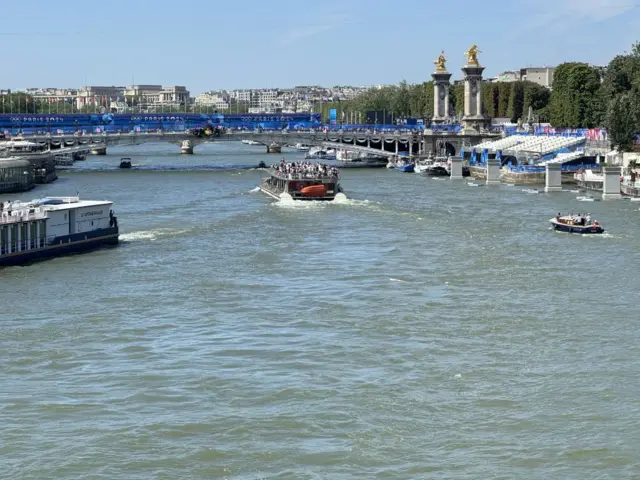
(54, 226)
(576, 224)
(302, 181)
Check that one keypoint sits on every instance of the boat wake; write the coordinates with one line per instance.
(398, 280)
(254, 190)
(150, 235)
(530, 190)
(316, 204)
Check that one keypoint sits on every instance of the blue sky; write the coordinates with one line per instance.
(220, 44)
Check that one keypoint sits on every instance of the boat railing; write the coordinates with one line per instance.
(22, 215)
(303, 176)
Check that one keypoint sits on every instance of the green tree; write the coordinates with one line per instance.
(623, 121)
(516, 102)
(577, 99)
(418, 95)
(504, 92)
(400, 100)
(456, 99)
(490, 91)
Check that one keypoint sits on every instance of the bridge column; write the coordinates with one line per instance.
(456, 168)
(274, 148)
(186, 147)
(611, 183)
(553, 177)
(410, 148)
(493, 172)
(368, 142)
(397, 145)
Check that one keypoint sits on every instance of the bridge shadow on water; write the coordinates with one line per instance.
(163, 168)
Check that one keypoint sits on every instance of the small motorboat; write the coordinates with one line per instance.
(573, 224)
(406, 168)
(262, 165)
(125, 163)
(437, 170)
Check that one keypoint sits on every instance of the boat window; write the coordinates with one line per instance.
(43, 232)
(4, 241)
(33, 234)
(13, 247)
(23, 236)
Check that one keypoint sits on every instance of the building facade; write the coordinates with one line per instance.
(540, 75)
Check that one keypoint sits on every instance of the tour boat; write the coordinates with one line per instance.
(320, 154)
(351, 159)
(572, 224)
(54, 226)
(303, 186)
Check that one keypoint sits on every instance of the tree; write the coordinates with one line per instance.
(418, 99)
(400, 101)
(456, 98)
(504, 92)
(516, 102)
(623, 121)
(577, 99)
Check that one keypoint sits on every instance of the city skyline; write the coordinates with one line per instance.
(283, 44)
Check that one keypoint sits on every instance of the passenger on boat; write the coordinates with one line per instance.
(305, 169)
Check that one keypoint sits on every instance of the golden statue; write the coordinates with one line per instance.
(472, 55)
(440, 63)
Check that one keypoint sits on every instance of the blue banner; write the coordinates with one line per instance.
(59, 123)
(333, 116)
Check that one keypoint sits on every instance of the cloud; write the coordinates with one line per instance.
(332, 22)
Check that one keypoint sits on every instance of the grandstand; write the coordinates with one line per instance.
(565, 157)
(532, 144)
(502, 144)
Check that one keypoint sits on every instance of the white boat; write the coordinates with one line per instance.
(251, 142)
(318, 153)
(301, 147)
(54, 226)
(320, 183)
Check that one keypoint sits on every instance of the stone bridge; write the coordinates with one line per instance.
(389, 144)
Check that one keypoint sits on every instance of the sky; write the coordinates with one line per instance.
(216, 44)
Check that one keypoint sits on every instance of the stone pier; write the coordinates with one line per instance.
(456, 168)
(553, 177)
(474, 118)
(186, 147)
(274, 148)
(611, 183)
(493, 171)
(98, 150)
(441, 87)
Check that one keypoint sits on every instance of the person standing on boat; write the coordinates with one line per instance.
(588, 218)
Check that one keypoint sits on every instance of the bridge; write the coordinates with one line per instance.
(387, 143)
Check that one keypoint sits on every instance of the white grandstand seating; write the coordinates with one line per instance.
(499, 144)
(564, 157)
(541, 145)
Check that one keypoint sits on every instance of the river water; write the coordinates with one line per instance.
(422, 329)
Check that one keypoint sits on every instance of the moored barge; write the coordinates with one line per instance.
(54, 226)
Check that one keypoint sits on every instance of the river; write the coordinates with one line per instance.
(421, 329)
